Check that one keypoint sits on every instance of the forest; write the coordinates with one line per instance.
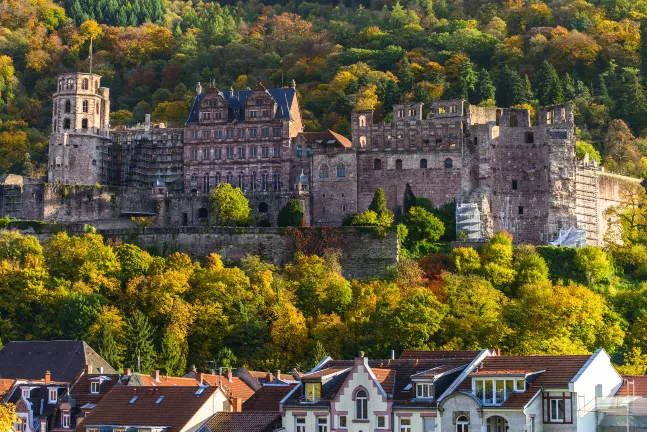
(341, 54)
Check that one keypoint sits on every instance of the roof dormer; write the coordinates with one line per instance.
(260, 105)
(495, 389)
(214, 107)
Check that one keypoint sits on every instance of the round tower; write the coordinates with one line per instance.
(80, 120)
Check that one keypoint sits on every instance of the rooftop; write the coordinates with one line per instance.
(243, 421)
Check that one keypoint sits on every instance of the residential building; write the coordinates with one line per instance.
(268, 398)
(243, 421)
(159, 409)
(63, 359)
(36, 402)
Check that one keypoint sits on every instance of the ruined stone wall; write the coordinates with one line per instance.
(333, 198)
(364, 255)
(587, 188)
(612, 187)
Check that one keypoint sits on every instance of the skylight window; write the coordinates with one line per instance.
(134, 398)
(407, 388)
(200, 390)
(159, 400)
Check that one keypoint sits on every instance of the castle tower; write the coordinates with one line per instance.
(80, 120)
(361, 123)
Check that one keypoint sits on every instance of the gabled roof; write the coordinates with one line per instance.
(64, 359)
(178, 406)
(80, 391)
(235, 388)
(6, 385)
(409, 354)
(284, 98)
(243, 421)
(267, 398)
(137, 379)
(328, 137)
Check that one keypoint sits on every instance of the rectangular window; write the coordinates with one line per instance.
(405, 425)
(322, 424)
(556, 410)
(514, 184)
(265, 151)
(342, 422)
(266, 113)
(253, 113)
(520, 210)
(52, 395)
(206, 134)
(428, 424)
(381, 422)
(299, 151)
(301, 424)
(241, 153)
(253, 152)
(277, 132)
(194, 154)
(230, 152)
(230, 133)
(277, 151)
(66, 420)
(532, 425)
(217, 153)
(265, 132)
(241, 133)
(194, 134)
(253, 133)
(424, 391)
(308, 149)
(95, 386)
(313, 392)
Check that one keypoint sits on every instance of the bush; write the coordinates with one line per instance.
(229, 205)
(291, 214)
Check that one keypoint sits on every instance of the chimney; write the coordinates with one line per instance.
(361, 360)
(278, 374)
(101, 369)
(236, 404)
(127, 371)
(48, 377)
(200, 378)
(194, 369)
(229, 376)
(88, 368)
(392, 354)
(268, 377)
(156, 375)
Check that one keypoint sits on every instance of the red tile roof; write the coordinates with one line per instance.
(328, 137)
(244, 421)
(409, 354)
(5, 386)
(386, 378)
(633, 385)
(163, 381)
(235, 388)
(178, 407)
(267, 398)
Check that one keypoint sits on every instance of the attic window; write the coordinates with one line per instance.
(313, 392)
(95, 387)
(407, 388)
(133, 400)
(25, 393)
(52, 395)
(159, 400)
(199, 391)
(424, 391)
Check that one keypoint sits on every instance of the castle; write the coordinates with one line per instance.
(503, 171)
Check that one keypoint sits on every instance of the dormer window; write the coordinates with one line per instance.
(495, 391)
(52, 395)
(26, 393)
(424, 390)
(95, 387)
(313, 392)
(65, 420)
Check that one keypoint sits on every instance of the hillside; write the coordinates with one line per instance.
(341, 55)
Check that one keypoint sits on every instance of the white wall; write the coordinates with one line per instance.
(216, 403)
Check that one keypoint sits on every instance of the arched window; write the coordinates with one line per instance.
(423, 163)
(85, 106)
(68, 106)
(252, 181)
(94, 162)
(276, 179)
(265, 180)
(96, 85)
(60, 85)
(323, 171)
(85, 85)
(361, 405)
(194, 178)
(377, 164)
(66, 123)
(263, 207)
(70, 84)
(341, 170)
(205, 183)
(362, 121)
(241, 180)
(362, 141)
(230, 178)
(84, 124)
(449, 163)
(462, 424)
(398, 164)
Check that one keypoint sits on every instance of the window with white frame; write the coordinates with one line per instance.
(52, 394)
(322, 424)
(342, 422)
(424, 390)
(557, 410)
(313, 392)
(25, 393)
(381, 422)
(65, 420)
(95, 387)
(405, 425)
(361, 405)
(428, 424)
(462, 424)
(300, 424)
(494, 391)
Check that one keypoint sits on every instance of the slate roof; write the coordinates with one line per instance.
(637, 388)
(64, 359)
(38, 396)
(243, 421)
(179, 405)
(80, 392)
(284, 98)
(328, 137)
(267, 398)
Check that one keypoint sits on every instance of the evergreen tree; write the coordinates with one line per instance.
(140, 351)
(569, 87)
(511, 89)
(378, 204)
(631, 102)
(409, 198)
(643, 45)
(548, 86)
(171, 359)
(601, 92)
(107, 346)
(291, 214)
(226, 358)
(485, 89)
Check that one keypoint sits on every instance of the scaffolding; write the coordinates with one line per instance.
(621, 414)
(468, 222)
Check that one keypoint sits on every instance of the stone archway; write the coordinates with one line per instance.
(496, 424)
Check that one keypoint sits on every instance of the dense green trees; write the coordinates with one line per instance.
(229, 205)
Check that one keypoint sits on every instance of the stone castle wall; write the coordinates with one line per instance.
(612, 187)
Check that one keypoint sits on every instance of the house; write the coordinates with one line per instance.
(159, 409)
(373, 395)
(268, 398)
(529, 393)
(63, 359)
(36, 401)
(248, 422)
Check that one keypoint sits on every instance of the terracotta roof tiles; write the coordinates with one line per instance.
(633, 385)
(243, 421)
